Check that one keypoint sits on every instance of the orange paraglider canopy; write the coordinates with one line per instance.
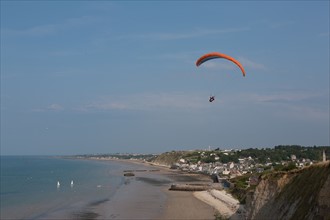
(213, 55)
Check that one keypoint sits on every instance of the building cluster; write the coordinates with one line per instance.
(230, 170)
(217, 168)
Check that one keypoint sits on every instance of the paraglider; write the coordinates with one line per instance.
(213, 55)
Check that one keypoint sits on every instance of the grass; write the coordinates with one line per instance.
(303, 189)
(218, 216)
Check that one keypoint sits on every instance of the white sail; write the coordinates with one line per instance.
(71, 183)
(58, 184)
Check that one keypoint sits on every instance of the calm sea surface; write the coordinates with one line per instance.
(29, 185)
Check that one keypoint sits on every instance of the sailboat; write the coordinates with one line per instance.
(71, 183)
(58, 184)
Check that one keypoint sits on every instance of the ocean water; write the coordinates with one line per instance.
(29, 185)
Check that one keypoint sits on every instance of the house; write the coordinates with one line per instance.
(182, 160)
(231, 165)
(226, 172)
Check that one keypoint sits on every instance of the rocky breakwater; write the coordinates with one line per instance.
(298, 194)
(194, 187)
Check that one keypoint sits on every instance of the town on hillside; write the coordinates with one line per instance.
(227, 164)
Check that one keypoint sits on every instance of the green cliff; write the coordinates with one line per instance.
(169, 158)
(298, 194)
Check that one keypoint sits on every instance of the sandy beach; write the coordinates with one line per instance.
(183, 204)
(223, 202)
(209, 203)
(146, 195)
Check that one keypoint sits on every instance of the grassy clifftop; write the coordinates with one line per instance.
(169, 158)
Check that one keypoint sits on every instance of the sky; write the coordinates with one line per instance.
(85, 77)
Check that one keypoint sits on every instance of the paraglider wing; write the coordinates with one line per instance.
(214, 55)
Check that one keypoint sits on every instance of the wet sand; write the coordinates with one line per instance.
(147, 196)
(184, 205)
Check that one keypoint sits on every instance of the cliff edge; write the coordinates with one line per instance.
(297, 194)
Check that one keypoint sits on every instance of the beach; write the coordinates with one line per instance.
(146, 195)
(223, 202)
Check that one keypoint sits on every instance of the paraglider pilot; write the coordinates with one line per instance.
(212, 98)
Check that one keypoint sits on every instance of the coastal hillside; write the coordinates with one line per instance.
(286, 193)
(168, 158)
(298, 194)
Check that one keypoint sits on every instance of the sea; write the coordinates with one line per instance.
(30, 190)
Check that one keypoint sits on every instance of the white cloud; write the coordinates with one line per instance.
(324, 34)
(219, 65)
(308, 112)
(247, 63)
(302, 105)
(51, 107)
(55, 107)
(282, 24)
(49, 29)
(148, 101)
(186, 35)
(290, 96)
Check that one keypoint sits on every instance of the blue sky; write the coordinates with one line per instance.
(109, 76)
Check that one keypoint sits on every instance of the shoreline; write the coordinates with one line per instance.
(206, 204)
